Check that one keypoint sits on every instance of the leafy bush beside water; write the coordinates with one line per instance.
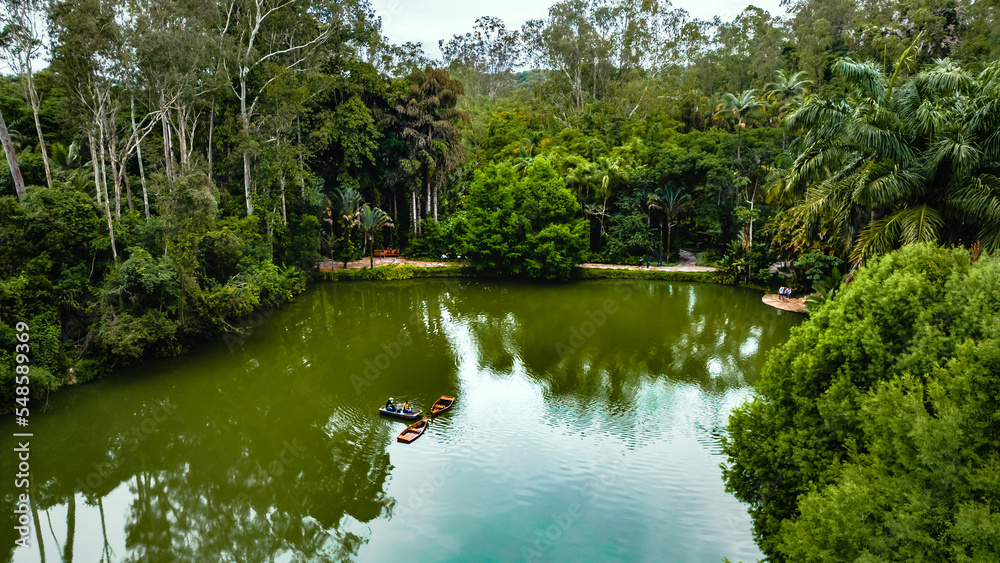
(876, 433)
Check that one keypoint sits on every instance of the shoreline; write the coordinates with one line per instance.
(411, 269)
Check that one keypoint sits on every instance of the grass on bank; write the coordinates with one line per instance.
(390, 272)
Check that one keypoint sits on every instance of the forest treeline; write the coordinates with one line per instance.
(176, 165)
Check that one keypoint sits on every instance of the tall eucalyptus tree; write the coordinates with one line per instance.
(8, 149)
(491, 51)
(262, 40)
(22, 41)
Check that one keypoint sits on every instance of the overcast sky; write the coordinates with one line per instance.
(427, 21)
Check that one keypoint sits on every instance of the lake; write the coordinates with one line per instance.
(587, 428)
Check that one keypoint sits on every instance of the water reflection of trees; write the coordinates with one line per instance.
(214, 480)
(713, 336)
(220, 491)
(269, 451)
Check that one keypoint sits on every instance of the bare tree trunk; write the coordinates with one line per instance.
(107, 207)
(142, 173)
(38, 128)
(168, 153)
(413, 199)
(181, 140)
(8, 147)
(93, 161)
(284, 212)
(104, 172)
(739, 144)
(435, 202)
(128, 189)
(182, 136)
(302, 164)
(246, 181)
(115, 171)
(211, 129)
(246, 155)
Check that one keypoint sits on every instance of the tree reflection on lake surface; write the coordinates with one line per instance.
(586, 427)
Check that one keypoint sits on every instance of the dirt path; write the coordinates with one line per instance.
(687, 264)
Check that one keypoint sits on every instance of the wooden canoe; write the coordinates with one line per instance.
(414, 415)
(412, 431)
(442, 404)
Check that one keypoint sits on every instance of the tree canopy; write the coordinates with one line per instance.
(875, 434)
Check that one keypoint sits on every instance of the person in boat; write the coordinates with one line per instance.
(389, 405)
(406, 407)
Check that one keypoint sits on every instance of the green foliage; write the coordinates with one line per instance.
(523, 228)
(898, 160)
(874, 435)
(436, 240)
(371, 221)
(630, 235)
(297, 244)
(815, 265)
(585, 153)
(129, 337)
(825, 289)
(741, 264)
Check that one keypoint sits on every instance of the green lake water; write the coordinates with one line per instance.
(587, 429)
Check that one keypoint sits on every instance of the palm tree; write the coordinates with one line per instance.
(524, 156)
(371, 220)
(343, 206)
(786, 87)
(742, 109)
(669, 204)
(428, 117)
(788, 93)
(895, 162)
(346, 203)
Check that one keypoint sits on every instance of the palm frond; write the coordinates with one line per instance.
(879, 141)
(921, 223)
(864, 78)
(878, 238)
(886, 184)
(946, 77)
(957, 154)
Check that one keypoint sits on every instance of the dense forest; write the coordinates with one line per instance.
(176, 166)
